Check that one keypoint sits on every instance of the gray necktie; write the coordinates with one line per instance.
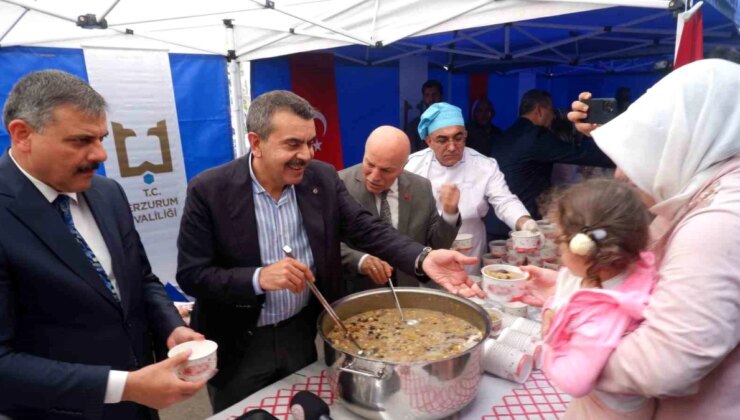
(385, 208)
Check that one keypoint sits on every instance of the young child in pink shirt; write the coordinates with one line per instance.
(600, 293)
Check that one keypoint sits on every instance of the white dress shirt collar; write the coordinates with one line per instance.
(393, 189)
(48, 192)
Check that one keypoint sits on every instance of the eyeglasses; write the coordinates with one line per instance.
(458, 138)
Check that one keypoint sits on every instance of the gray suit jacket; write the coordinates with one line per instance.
(417, 219)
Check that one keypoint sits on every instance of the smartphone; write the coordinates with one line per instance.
(601, 110)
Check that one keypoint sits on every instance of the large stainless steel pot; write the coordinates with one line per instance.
(424, 390)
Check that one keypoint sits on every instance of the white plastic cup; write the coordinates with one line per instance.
(535, 261)
(548, 230)
(489, 259)
(498, 248)
(525, 241)
(524, 342)
(503, 290)
(506, 362)
(516, 258)
(201, 364)
(463, 243)
(516, 308)
(527, 326)
(497, 319)
(548, 254)
(508, 320)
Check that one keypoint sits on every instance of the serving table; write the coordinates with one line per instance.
(497, 398)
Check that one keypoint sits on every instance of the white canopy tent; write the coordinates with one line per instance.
(243, 30)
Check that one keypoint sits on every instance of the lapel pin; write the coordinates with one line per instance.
(315, 190)
(406, 196)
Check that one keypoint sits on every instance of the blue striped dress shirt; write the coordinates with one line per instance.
(280, 223)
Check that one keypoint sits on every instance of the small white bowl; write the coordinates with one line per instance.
(463, 243)
(503, 290)
(201, 364)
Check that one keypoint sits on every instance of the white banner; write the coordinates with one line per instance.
(143, 145)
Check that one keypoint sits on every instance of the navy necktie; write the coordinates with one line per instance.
(62, 204)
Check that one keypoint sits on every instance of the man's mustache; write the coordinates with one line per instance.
(297, 162)
(88, 168)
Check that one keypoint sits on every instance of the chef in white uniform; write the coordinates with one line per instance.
(478, 177)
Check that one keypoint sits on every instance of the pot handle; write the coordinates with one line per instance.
(348, 366)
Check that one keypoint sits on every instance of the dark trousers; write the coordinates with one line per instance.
(274, 352)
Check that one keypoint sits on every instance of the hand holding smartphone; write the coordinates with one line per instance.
(600, 110)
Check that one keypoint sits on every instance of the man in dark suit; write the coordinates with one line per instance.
(79, 304)
(431, 93)
(251, 297)
(527, 151)
(401, 199)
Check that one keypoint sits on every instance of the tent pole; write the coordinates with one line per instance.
(352, 59)
(507, 39)
(397, 56)
(462, 35)
(466, 52)
(539, 41)
(223, 12)
(557, 43)
(115, 3)
(481, 44)
(321, 24)
(295, 31)
(242, 50)
(237, 99)
(18, 19)
(375, 18)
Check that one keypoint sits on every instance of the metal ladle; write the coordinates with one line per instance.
(410, 322)
(329, 310)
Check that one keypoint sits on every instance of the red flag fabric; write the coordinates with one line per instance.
(478, 88)
(312, 77)
(690, 39)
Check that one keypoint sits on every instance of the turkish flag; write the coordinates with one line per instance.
(689, 37)
(312, 77)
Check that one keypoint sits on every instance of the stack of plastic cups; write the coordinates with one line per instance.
(524, 342)
(506, 362)
(516, 351)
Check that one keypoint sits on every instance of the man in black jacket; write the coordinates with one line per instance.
(251, 296)
(527, 151)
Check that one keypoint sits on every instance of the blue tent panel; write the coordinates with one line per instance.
(270, 74)
(202, 100)
(367, 97)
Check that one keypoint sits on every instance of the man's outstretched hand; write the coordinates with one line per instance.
(447, 268)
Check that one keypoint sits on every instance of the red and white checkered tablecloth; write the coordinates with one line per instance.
(536, 399)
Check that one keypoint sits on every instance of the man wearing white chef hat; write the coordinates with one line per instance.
(478, 177)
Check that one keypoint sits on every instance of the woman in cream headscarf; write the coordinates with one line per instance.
(680, 145)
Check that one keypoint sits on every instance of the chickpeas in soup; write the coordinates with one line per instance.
(437, 336)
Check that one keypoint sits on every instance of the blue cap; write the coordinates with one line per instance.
(439, 115)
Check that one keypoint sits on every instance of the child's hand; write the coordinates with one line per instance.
(540, 286)
(547, 316)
